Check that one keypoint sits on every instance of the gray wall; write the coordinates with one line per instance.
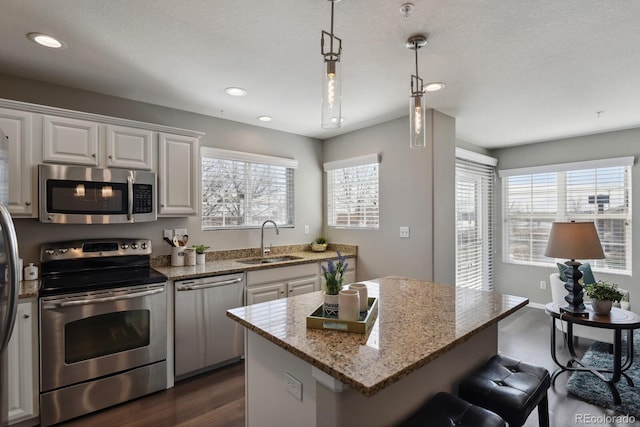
(218, 133)
(412, 193)
(525, 280)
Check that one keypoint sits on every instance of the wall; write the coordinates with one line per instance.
(218, 133)
(524, 280)
(413, 193)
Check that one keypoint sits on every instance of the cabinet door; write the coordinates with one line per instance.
(17, 126)
(258, 294)
(129, 148)
(23, 395)
(303, 286)
(177, 175)
(68, 140)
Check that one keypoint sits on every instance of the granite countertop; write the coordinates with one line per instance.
(417, 322)
(228, 262)
(29, 289)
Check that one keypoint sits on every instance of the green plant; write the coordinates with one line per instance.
(334, 274)
(321, 240)
(603, 291)
(200, 248)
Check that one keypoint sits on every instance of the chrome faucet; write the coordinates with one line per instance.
(264, 251)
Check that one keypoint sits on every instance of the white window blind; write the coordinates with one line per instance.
(353, 192)
(242, 190)
(475, 178)
(598, 191)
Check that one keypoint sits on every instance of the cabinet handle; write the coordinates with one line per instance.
(110, 157)
(26, 316)
(93, 155)
(27, 203)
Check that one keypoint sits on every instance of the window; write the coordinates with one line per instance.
(352, 192)
(475, 177)
(242, 190)
(598, 191)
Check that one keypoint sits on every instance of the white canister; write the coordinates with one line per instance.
(348, 305)
(189, 256)
(362, 292)
(201, 258)
(30, 272)
(177, 256)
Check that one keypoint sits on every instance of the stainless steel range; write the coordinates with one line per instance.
(103, 326)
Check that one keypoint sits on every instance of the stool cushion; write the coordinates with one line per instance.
(446, 410)
(508, 387)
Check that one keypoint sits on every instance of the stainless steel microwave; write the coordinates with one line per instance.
(81, 195)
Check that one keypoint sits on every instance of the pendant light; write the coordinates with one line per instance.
(331, 76)
(418, 131)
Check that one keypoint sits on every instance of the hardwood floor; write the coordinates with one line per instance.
(217, 398)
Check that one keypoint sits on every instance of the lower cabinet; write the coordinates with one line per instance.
(273, 283)
(22, 376)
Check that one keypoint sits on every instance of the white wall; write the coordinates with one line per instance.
(525, 280)
(412, 193)
(218, 133)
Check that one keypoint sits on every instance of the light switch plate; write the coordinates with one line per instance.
(306, 229)
(293, 386)
(404, 232)
(168, 234)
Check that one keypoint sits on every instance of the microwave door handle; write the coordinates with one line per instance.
(130, 198)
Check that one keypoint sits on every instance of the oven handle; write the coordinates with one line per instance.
(187, 287)
(51, 305)
(130, 198)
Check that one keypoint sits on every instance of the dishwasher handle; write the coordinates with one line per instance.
(195, 284)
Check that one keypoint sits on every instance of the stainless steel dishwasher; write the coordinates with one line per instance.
(205, 338)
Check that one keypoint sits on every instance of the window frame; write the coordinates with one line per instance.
(290, 166)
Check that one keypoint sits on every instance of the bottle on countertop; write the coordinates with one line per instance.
(31, 272)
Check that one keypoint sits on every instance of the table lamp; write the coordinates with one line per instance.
(574, 240)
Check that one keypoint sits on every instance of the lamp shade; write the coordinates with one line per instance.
(574, 240)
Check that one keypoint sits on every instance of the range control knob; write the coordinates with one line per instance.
(134, 245)
(63, 250)
(50, 251)
(125, 246)
(144, 245)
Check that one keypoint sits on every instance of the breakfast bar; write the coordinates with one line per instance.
(425, 338)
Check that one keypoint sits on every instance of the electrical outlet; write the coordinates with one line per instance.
(168, 234)
(293, 386)
(543, 284)
(306, 229)
(404, 232)
(180, 232)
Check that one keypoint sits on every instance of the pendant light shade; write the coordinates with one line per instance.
(417, 123)
(331, 48)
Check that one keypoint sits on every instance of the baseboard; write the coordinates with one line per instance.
(536, 305)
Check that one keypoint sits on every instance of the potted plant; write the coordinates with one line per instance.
(320, 244)
(200, 255)
(333, 275)
(602, 296)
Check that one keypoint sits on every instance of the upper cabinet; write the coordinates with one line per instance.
(83, 142)
(177, 175)
(17, 125)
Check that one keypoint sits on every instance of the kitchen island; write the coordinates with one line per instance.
(426, 337)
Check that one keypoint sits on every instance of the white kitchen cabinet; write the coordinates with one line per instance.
(128, 147)
(17, 125)
(22, 375)
(67, 140)
(89, 143)
(178, 175)
(273, 283)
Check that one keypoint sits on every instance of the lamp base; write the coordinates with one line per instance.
(577, 312)
(573, 298)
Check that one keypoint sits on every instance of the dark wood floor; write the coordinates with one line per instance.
(217, 398)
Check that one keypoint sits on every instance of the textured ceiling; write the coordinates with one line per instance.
(516, 71)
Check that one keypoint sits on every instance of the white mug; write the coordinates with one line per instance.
(364, 297)
(348, 305)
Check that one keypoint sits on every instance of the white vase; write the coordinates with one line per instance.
(362, 292)
(330, 305)
(602, 307)
(200, 258)
(349, 305)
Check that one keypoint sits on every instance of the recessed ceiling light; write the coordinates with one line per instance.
(434, 86)
(46, 40)
(265, 118)
(235, 91)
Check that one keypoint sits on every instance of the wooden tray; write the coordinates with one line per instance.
(317, 320)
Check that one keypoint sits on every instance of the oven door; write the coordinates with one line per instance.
(93, 334)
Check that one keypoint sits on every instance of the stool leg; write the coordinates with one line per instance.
(543, 412)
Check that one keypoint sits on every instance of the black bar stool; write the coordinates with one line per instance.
(510, 388)
(446, 410)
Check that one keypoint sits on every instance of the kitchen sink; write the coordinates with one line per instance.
(269, 260)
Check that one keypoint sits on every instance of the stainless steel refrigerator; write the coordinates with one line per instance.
(8, 276)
